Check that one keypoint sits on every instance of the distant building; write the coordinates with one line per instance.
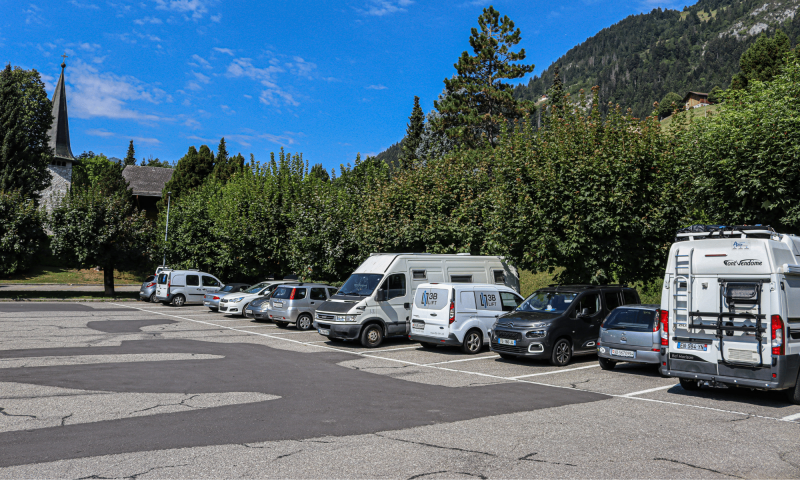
(696, 100)
(147, 184)
(61, 165)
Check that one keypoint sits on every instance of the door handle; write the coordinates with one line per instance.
(312, 303)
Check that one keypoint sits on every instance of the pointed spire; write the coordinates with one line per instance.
(59, 131)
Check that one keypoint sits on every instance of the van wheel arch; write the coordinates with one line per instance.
(373, 321)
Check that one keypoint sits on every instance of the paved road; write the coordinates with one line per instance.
(116, 391)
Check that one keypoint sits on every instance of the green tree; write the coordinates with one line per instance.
(191, 171)
(556, 93)
(319, 172)
(414, 130)
(92, 227)
(87, 171)
(715, 96)
(155, 162)
(671, 102)
(26, 115)
(478, 101)
(130, 159)
(22, 235)
(765, 58)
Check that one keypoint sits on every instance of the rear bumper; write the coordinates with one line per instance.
(343, 331)
(283, 315)
(451, 340)
(642, 356)
(782, 375)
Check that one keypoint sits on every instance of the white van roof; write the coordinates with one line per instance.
(380, 262)
(461, 285)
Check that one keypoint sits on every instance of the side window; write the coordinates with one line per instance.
(461, 278)
(499, 277)
(331, 292)
(488, 300)
(318, 294)
(192, 280)
(419, 275)
(631, 298)
(210, 281)
(510, 301)
(395, 285)
(612, 300)
(466, 300)
(590, 301)
(300, 293)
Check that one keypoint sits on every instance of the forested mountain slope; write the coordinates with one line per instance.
(637, 61)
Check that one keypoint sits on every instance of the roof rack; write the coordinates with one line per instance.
(708, 232)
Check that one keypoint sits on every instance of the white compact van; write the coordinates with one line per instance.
(179, 287)
(459, 314)
(375, 301)
(730, 309)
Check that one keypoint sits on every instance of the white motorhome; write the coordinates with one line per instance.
(730, 309)
(375, 301)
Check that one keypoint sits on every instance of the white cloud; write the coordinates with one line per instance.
(273, 95)
(380, 8)
(226, 51)
(199, 61)
(302, 68)
(200, 77)
(376, 87)
(150, 20)
(146, 140)
(98, 132)
(33, 15)
(90, 6)
(228, 110)
(194, 8)
(216, 18)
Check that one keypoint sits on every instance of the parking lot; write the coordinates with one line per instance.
(136, 390)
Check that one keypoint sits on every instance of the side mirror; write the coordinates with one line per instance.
(381, 295)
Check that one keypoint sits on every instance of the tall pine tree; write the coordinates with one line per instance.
(414, 130)
(224, 167)
(190, 172)
(130, 158)
(477, 101)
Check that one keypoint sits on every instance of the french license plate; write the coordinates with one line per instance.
(249, 312)
(278, 304)
(693, 346)
(141, 291)
(623, 353)
(418, 326)
(324, 331)
(206, 303)
(505, 341)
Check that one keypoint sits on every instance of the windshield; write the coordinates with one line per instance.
(257, 288)
(631, 319)
(547, 302)
(361, 284)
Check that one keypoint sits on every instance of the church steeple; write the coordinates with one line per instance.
(59, 131)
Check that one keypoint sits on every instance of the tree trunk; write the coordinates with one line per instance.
(108, 281)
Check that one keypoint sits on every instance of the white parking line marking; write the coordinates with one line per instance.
(552, 371)
(464, 360)
(395, 349)
(790, 418)
(642, 392)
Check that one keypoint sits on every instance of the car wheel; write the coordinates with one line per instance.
(304, 322)
(690, 385)
(607, 364)
(243, 309)
(793, 394)
(473, 342)
(178, 301)
(282, 324)
(562, 353)
(372, 336)
(153, 298)
(428, 345)
(508, 356)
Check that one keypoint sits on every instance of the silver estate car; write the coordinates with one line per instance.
(297, 303)
(630, 333)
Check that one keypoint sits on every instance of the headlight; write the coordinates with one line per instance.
(536, 334)
(236, 300)
(346, 318)
(539, 325)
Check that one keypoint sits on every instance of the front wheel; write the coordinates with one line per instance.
(473, 342)
(304, 322)
(562, 353)
(372, 336)
(244, 308)
(690, 385)
(607, 364)
(153, 298)
(178, 301)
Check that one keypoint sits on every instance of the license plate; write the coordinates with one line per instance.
(418, 326)
(141, 291)
(324, 331)
(623, 353)
(249, 312)
(278, 304)
(206, 303)
(505, 341)
(693, 346)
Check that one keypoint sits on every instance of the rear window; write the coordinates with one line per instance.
(631, 319)
(227, 288)
(431, 298)
(285, 293)
(150, 278)
(163, 279)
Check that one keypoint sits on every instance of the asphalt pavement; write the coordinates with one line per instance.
(145, 390)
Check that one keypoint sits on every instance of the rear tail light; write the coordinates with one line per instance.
(663, 317)
(291, 297)
(215, 298)
(657, 323)
(776, 327)
(150, 284)
(452, 312)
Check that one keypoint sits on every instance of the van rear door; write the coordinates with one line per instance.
(162, 284)
(431, 312)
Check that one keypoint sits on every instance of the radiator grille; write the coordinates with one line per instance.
(508, 335)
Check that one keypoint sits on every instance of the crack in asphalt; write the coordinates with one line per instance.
(3, 412)
(179, 404)
(64, 419)
(437, 446)
(782, 456)
(250, 446)
(740, 419)
(286, 455)
(699, 468)
(574, 385)
(529, 459)
(132, 477)
(476, 475)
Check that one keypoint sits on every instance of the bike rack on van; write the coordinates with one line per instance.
(728, 330)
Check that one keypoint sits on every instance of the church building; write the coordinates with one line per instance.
(63, 160)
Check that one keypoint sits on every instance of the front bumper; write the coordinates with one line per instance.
(525, 347)
(256, 314)
(450, 340)
(641, 355)
(781, 375)
(230, 307)
(344, 331)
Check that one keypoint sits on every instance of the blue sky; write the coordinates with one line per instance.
(328, 79)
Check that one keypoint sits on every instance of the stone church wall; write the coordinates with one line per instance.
(61, 181)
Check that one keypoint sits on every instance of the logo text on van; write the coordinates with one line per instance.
(748, 262)
(740, 245)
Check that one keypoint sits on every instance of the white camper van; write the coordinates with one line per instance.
(375, 301)
(730, 309)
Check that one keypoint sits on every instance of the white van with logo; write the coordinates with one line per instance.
(459, 314)
(375, 301)
(181, 287)
(730, 309)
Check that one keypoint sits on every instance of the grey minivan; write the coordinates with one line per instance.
(630, 334)
(297, 303)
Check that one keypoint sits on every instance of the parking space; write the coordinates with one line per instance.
(146, 390)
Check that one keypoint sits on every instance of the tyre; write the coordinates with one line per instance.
(372, 336)
(427, 345)
(508, 356)
(282, 324)
(793, 394)
(243, 309)
(473, 342)
(304, 322)
(562, 353)
(606, 363)
(689, 385)
(178, 301)
(153, 298)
